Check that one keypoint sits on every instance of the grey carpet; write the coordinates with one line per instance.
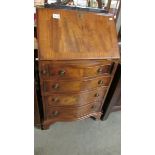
(85, 137)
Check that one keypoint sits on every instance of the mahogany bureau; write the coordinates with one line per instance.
(78, 56)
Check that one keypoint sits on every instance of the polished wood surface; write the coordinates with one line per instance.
(75, 35)
(74, 70)
(61, 86)
(75, 99)
(72, 113)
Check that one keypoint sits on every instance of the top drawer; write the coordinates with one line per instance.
(78, 69)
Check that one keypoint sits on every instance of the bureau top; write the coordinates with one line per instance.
(72, 34)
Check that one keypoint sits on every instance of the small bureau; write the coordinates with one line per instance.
(78, 56)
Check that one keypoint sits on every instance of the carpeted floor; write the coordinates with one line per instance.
(86, 137)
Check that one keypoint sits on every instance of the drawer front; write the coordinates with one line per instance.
(67, 86)
(71, 113)
(70, 100)
(64, 70)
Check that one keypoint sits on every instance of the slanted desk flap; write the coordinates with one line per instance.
(72, 34)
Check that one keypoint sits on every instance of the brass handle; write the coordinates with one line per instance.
(100, 82)
(55, 86)
(55, 99)
(62, 72)
(55, 113)
(99, 71)
(97, 95)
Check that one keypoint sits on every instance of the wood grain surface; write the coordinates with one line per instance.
(62, 86)
(75, 99)
(75, 35)
(67, 70)
(72, 113)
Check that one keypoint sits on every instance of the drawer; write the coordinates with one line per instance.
(65, 70)
(71, 113)
(73, 99)
(68, 86)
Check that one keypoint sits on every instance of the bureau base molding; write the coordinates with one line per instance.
(47, 123)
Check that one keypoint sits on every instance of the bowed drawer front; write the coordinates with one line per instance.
(75, 99)
(72, 113)
(53, 86)
(74, 71)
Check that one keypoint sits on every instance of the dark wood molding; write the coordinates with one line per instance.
(37, 121)
(113, 97)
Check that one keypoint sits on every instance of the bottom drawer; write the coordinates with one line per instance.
(72, 113)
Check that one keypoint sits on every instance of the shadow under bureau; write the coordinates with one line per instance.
(78, 57)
